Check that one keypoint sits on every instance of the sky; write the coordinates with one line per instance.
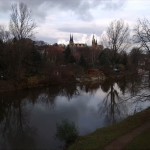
(56, 19)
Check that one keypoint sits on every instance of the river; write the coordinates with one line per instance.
(28, 118)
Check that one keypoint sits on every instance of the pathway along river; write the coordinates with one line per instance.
(28, 118)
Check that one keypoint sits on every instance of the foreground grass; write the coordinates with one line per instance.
(142, 142)
(102, 137)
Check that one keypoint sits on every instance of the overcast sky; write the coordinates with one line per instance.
(56, 19)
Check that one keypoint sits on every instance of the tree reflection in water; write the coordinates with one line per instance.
(134, 85)
(110, 106)
(48, 96)
(14, 125)
(89, 87)
(17, 131)
(70, 91)
(122, 93)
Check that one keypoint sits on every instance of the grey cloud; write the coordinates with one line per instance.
(114, 5)
(80, 7)
(83, 30)
(4, 5)
(49, 40)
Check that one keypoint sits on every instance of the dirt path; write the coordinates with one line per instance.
(121, 142)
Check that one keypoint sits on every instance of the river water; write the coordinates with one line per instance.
(28, 118)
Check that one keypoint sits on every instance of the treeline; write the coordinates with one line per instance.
(107, 59)
(21, 58)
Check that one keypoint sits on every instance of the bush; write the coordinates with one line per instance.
(33, 81)
(67, 132)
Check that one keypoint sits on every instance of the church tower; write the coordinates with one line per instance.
(94, 42)
(71, 40)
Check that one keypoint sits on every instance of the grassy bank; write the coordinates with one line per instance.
(141, 142)
(102, 137)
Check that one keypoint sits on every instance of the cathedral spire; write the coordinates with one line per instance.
(93, 38)
(94, 41)
(71, 39)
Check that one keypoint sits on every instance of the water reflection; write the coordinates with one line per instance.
(28, 118)
(110, 104)
(14, 126)
(134, 85)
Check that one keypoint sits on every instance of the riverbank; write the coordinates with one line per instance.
(33, 82)
(64, 79)
(57, 80)
(104, 136)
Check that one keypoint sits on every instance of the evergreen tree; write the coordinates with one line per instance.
(69, 58)
(82, 61)
(67, 53)
(104, 59)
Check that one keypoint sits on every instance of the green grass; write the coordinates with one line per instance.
(102, 137)
(141, 142)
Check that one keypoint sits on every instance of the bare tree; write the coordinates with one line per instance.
(117, 35)
(4, 34)
(142, 37)
(21, 27)
(135, 56)
(116, 38)
(21, 24)
(142, 33)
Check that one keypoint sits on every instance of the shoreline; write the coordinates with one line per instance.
(37, 81)
(102, 137)
(11, 87)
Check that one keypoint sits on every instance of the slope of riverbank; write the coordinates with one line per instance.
(104, 136)
(41, 81)
(33, 82)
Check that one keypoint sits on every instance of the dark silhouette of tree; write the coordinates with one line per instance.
(110, 105)
(23, 55)
(21, 24)
(69, 58)
(142, 36)
(82, 61)
(142, 33)
(104, 58)
(4, 34)
(135, 56)
(32, 60)
(117, 38)
(124, 58)
(14, 125)
(67, 53)
(4, 38)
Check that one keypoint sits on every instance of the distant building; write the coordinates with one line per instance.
(78, 45)
(72, 44)
(94, 42)
(90, 53)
